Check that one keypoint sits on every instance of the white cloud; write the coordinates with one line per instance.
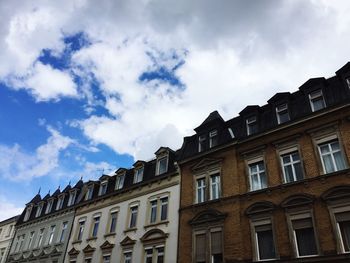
(18, 165)
(8, 209)
(238, 53)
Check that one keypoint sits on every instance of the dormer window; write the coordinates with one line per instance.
(120, 181)
(213, 138)
(28, 212)
(89, 192)
(138, 175)
(201, 143)
(60, 202)
(252, 125)
(162, 165)
(316, 100)
(282, 113)
(72, 196)
(49, 206)
(348, 82)
(103, 188)
(39, 209)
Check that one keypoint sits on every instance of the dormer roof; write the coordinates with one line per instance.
(121, 170)
(66, 190)
(343, 69)
(213, 118)
(250, 109)
(163, 149)
(36, 199)
(56, 193)
(139, 163)
(104, 177)
(79, 184)
(311, 83)
(280, 96)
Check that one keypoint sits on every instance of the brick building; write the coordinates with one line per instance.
(272, 184)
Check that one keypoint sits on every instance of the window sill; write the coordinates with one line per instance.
(76, 242)
(207, 202)
(133, 229)
(91, 238)
(110, 234)
(165, 222)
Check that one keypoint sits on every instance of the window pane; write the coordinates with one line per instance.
(288, 171)
(305, 238)
(266, 245)
(345, 234)
(113, 222)
(164, 208)
(200, 248)
(328, 163)
(339, 161)
(298, 171)
(255, 182)
(153, 211)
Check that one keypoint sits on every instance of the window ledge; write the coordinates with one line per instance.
(130, 230)
(91, 238)
(208, 202)
(165, 222)
(110, 234)
(76, 242)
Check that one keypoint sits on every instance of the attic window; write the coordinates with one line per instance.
(39, 209)
(103, 188)
(138, 175)
(89, 192)
(28, 212)
(282, 113)
(213, 138)
(72, 196)
(120, 181)
(348, 82)
(49, 206)
(162, 165)
(252, 125)
(201, 143)
(317, 100)
(60, 202)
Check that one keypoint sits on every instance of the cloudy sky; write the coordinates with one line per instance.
(90, 86)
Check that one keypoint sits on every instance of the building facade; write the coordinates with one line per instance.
(43, 229)
(131, 216)
(7, 230)
(272, 184)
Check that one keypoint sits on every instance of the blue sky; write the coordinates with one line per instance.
(86, 88)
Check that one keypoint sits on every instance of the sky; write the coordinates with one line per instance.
(87, 87)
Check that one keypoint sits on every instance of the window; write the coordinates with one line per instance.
(208, 241)
(49, 206)
(317, 100)
(282, 113)
(162, 165)
(343, 229)
(103, 188)
(304, 235)
(17, 242)
(348, 82)
(71, 199)
(120, 181)
(40, 238)
(213, 138)
(2, 253)
(331, 156)
(158, 209)
(252, 125)
(51, 234)
(204, 193)
(138, 175)
(30, 241)
(39, 209)
(257, 176)
(60, 202)
(154, 254)
(63, 231)
(0, 233)
(291, 165)
(81, 229)
(95, 226)
(106, 259)
(113, 222)
(263, 240)
(201, 143)
(89, 192)
(88, 260)
(9, 231)
(128, 257)
(21, 243)
(133, 216)
(28, 212)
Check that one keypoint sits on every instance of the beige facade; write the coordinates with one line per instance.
(138, 223)
(7, 230)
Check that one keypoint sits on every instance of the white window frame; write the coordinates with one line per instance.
(96, 221)
(249, 123)
(281, 109)
(49, 206)
(39, 209)
(212, 136)
(347, 80)
(261, 222)
(315, 95)
(252, 162)
(28, 212)
(60, 201)
(138, 174)
(72, 196)
(40, 237)
(89, 193)
(297, 216)
(159, 160)
(327, 140)
(290, 151)
(202, 198)
(334, 210)
(103, 190)
(110, 224)
(217, 184)
(51, 234)
(201, 142)
(62, 236)
(120, 181)
(80, 229)
(30, 241)
(131, 213)
(127, 259)
(106, 255)
(207, 186)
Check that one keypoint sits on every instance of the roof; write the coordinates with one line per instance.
(213, 117)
